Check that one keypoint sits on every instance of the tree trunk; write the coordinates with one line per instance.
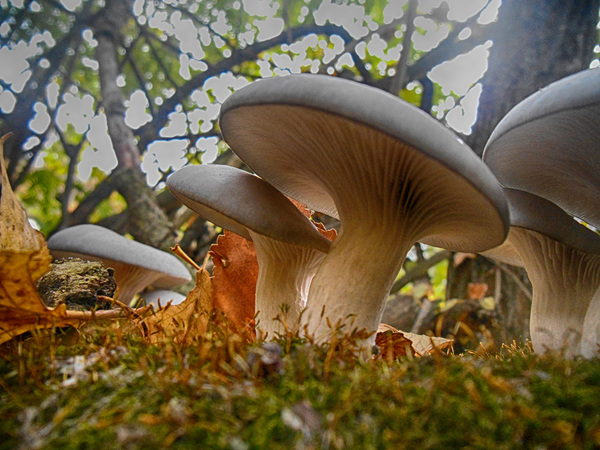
(535, 43)
(146, 220)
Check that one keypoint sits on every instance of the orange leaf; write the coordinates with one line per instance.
(234, 277)
(392, 343)
(329, 234)
(460, 258)
(477, 290)
(183, 321)
(24, 258)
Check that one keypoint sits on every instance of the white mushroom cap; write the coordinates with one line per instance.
(549, 145)
(288, 246)
(562, 259)
(391, 173)
(136, 265)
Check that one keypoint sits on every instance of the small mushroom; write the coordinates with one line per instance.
(562, 259)
(136, 265)
(163, 296)
(288, 246)
(549, 145)
(392, 174)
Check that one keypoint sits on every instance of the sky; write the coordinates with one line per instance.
(459, 76)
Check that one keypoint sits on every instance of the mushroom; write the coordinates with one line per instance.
(288, 246)
(136, 265)
(163, 296)
(590, 339)
(392, 174)
(562, 259)
(549, 144)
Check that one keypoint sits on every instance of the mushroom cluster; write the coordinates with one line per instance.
(546, 151)
(389, 172)
(394, 176)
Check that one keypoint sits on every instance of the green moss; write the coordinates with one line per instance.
(223, 393)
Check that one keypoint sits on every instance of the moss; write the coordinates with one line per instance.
(78, 284)
(108, 389)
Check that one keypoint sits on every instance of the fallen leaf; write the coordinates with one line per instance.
(234, 277)
(477, 290)
(424, 345)
(460, 257)
(394, 343)
(24, 258)
(182, 322)
(329, 234)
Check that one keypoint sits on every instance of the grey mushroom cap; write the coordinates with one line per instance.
(99, 243)
(537, 214)
(549, 143)
(286, 128)
(533, 213)
(239, 201)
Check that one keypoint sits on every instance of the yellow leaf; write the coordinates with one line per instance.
(24, 258)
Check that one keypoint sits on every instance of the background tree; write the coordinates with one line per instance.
(106, 98)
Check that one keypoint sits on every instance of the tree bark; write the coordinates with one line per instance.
(146, 220)
(535, 43)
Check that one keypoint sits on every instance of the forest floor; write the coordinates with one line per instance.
(106, 387)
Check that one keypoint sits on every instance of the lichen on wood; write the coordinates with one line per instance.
(78, 284)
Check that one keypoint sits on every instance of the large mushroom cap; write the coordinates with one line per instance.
(99, 243)
(324, 140)
(239, 201)
(549, 145)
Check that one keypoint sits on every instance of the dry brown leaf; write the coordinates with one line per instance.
(24, 258)
(477, 290)
(425, 345)
(329, 234)
(234, 277)
(394, 343)
(460, 258)
(182, 322)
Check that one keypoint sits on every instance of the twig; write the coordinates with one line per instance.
(179, 252)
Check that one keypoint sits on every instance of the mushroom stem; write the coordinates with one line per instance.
(564, 281)
(353, 282)
(590, 340)
(284, 276)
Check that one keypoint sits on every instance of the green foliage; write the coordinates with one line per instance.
(41, 189)
(100, 388)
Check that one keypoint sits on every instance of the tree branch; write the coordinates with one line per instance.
(420, 269)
